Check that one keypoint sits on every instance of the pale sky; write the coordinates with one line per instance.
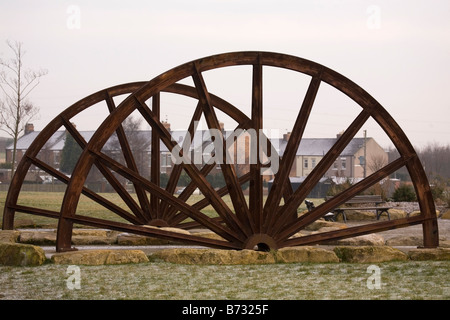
(398, 51)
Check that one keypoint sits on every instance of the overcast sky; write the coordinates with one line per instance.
(398, 51)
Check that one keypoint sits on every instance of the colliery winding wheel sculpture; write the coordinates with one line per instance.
(261, 223)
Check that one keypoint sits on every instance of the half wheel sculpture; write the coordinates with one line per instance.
(240, 221)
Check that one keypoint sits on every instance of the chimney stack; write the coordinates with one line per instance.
(286, 136)
(166, 125)
(29, 127)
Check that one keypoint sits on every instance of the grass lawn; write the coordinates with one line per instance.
(161, 280)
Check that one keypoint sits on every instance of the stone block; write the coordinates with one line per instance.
(369, 254)
(305, 254)
(364, 240)
(99, 257)
(405, 241)
(214, 256)
(423, 254)
(18, 254)
(9, 235)
(38, 237)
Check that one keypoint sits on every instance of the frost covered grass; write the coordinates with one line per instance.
(160, 280)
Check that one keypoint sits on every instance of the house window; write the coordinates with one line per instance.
(335, 165)
(56, 157)
(305, 163)
(343, 163)
(165, 159)
(313, 163)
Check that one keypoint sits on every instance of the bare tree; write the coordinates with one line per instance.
(16, 84)
(376, 162)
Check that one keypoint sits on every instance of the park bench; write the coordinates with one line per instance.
(373, 202)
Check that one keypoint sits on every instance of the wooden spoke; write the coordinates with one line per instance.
(282, 176)
(145, 208)
(229, 172)
(178, 168)
(354, 231)
(155, 160)
(36, 211)
(256, 181)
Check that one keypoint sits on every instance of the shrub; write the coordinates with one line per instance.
(335, 189)
(404, 193)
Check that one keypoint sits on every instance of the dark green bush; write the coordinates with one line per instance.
(404, 193)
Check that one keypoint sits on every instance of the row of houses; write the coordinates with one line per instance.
(360, 158)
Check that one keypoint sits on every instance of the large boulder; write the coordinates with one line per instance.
(369, 254)
(319, 224)
(422, 254)
(208, 235)
(234, 257)
(395, 214)
(364, 240)
(416, 213)
(400, 241)
(305, 254)
(444, 243)
(129, 239)
(18, 254)
(38, 237)
(99, 257)
(445, 215)
(9, 235)
(94, 237)
(214, 256)
(359, 215)
(79, 237)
